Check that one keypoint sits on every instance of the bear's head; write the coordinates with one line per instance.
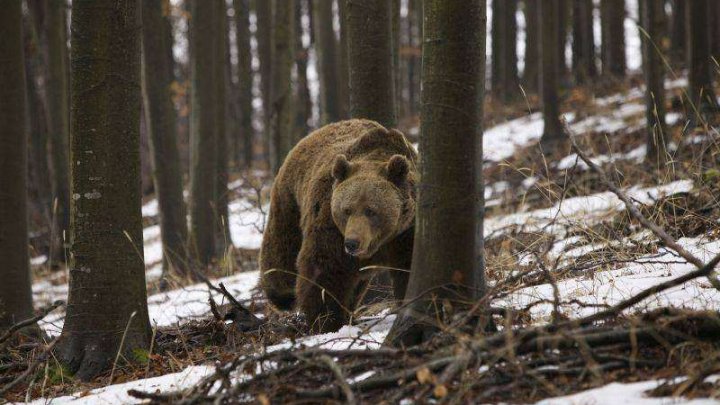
(372, 201)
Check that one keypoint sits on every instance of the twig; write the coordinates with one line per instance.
(31, 368)
(43, 313)
(333, 366)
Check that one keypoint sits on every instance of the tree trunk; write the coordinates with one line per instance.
(612, 14)
(531, 74)
(549, 73)
(303, 106)
(344, 70)
(583, 42)
(678, 38)
(245, 79)
(327, 61)
(509, 76)
(496, 45)
(563, 21)
(372, 88)
(282, 59)
(448, 267)
(263, 35)
(157, 79)
(15, 293)
(396, 44)
(203, 158)
(58, 115)
(223, 241)
(414, 43)
(107, 305)
(704, 105)
(653, 68)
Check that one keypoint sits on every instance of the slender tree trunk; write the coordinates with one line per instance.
(583, 42)
(327, 61)
(613, 38)
(396, 44)
(715, 30)
(223, 241)
(264, 33)
(509, 74)
(107, 306)
(531, 75)
(549, 73)
(563, 20)
(303, 107)
(704, 105)
(15, 293)
(343, 69)
(414, 43)
(203, 165)
(496, 45)
(245, 79)
(282, 92)
(157, 79)
(372, 88)
(448, 267)
(678, 37)
(58, 114)
(653, 68)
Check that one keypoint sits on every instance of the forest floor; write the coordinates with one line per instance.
(564, 260)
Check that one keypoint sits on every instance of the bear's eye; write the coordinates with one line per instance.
(370, 213)
(347, 212)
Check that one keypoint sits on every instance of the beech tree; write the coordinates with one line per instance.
(448, 267)
(549, 73)
(15, 289)
(107, 305)
(203, 165)
(281, 83)
(653, 69)
(704, 105)
(157, 79)
(327, 61)
(245, 80)
(58, 120)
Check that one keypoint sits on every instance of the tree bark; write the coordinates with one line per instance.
(15, 293)
(531, 74)
(504, 37)
(704, 105)
(203, 166)
(372, 88)
(263, 34)
(303, 106)
(58, 118)
(448, 267)
(653, 68)
(549, 73)
(223, 241)
(396, 44)
(678, 38)
(157, 79)
(414, 44)
(245, 79)
(107, 305)
(583, 42)
(343, 68)
(612, 15)
(282, 92)
(327, 61)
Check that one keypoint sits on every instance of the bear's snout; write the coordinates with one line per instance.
(352, 246)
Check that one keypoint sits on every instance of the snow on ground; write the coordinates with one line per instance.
(622, 394)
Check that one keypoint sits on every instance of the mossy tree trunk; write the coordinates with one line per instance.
(448, 266)
(704, 106)
(372, 87)
(223, 241)
(15, 293)
(203, 159)
(327, 61)
(303, 106)
(58, 120)
(107, 305)
(264, 33)
(612, 17)
(654, 71)
(281, 83)
(549, 73)
(245, 79)
(583, 42)
(160, 117)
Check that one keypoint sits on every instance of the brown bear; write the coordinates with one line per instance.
(343, 199)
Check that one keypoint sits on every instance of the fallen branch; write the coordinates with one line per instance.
(22, 324)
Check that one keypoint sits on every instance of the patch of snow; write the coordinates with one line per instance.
(619, 394)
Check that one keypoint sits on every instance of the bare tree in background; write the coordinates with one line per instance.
(263, 34)
(549, 73)
(203, 166)
(704, 105)
(583, 42)
(303, 105)
(223, 242)
(612, 19)
(654, 70)
(327, 61)
(504, 60)
(283, 46)
(531, 74)
(244, 80)
(157, 79)
(448, 266)
(15, 293)
(107, 305)
(343, 68)
(678, 34)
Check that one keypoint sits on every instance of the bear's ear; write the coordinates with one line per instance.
(397, 169)
(341, 168)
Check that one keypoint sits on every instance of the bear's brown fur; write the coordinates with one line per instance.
(346, 187)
